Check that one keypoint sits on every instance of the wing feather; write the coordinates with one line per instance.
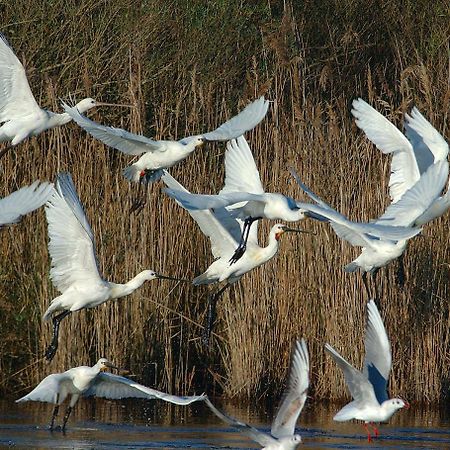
(108, 385)
(378, 360)
(71, 245)
(23, 201)
(295, 395)
(16, 98)
(46, 391)
(126, 142)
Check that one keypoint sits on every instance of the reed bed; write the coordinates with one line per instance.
(184, 74)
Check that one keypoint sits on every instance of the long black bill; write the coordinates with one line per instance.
(297, 230)
(165, 277)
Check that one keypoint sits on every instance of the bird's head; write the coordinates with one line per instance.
(280, 228)
(199, 141)
(88, 103)
(104, 365)
(149, 275)
(296, 440)
(394, 404)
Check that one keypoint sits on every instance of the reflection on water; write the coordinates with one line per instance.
(101, 424)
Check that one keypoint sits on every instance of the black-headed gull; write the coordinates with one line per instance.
(368, 388)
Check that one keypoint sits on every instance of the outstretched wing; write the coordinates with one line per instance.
(16, 98)
(295, 393)
(389, 139)
(108, 385)
(359, 386)
(245, 121)
(46, 391)
(258, 436)
(416, 200)
(23, 201)
(71, 245)
(126, 142)
(378, 360)
(223, 231)
(423, 135)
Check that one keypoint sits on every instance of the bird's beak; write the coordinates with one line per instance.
(111, 366)
(114, 104)
(297, 230)
(407, 405)
(165, 277)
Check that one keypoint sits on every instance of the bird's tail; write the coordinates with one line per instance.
(202, 279)
(352, 267)
(55, 305)
(132, 173)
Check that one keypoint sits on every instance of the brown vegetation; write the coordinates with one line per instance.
(187, 68)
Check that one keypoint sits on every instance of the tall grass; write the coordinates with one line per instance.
(187, 67)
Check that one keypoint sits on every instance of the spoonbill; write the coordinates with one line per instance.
(20, 114)
(379, 250)
(23, 201)
(224, 232)
(94, 381)
(243, 194)
(282, 434)
(159, 155)
(371, 402)
(74, 269)
(412, 156)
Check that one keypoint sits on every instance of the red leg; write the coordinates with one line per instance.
(375, 429)
(369, 437)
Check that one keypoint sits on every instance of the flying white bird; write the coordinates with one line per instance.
(159, 155)
(224, 232)
(93, 381)
(282, 434)
(412, 156)
(23, 201)
(74, 269)
(380, 249)
(20, 114)
(243, 194)
(371, 402)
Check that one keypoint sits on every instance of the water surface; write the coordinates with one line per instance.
(140, 424)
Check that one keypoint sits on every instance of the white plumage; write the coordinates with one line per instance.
(162, 154)
(282, 435)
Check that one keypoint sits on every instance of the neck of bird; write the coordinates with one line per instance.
(272, 247)
(57, 120)
(121, 290)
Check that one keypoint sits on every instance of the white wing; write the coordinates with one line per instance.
(126, 142)
(433, 140)
(258, 436)
(389, 139)
(46, 391)
(16, 98)
(295, 394)
(71, 245)
(378, 360)
(223, 231)
(23, 201)
(359, 386)
(417, 199)
(245, 121)
(108, 385)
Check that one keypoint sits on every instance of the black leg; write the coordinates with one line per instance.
(211, 315)
(51, 349)
(237, 255)
(374, 281)
(140, 200)
(55, 413)
(66, 417)
(366, 284)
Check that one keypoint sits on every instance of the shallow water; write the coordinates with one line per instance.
(101, 424)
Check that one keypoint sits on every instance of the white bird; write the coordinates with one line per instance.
(379, 245)
(74, 270)
(93, 381)
(243, 194)
(412, 155)
(23, 201)
(371, 402)
(224, 232)
(159, 155)
(282, 434)
(20, 114)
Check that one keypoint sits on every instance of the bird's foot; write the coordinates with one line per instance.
(51, 351)
(237, 255)
(138, 205)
